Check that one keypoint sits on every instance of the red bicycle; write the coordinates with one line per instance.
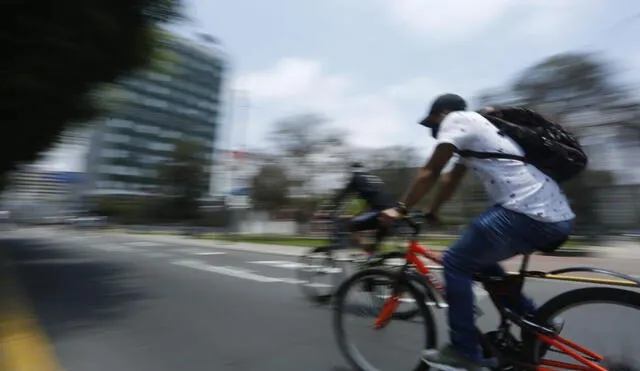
(414, 278)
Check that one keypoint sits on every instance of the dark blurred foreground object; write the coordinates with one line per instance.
(57, 54)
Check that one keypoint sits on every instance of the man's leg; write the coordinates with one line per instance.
(473, 252)
(367, 221)
(525, 304)
(495, 235)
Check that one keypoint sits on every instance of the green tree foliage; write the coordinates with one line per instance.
(270, 188)
(61, 53)
(182, 182)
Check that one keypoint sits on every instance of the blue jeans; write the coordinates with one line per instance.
(495, 235)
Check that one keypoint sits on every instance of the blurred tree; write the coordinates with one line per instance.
(582, 192)
(304, 140)
(494, 96)
(270, 188)
(396, 166)
(182, 182)
(570, 83)
(62, 52)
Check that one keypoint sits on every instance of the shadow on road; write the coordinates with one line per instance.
(70, 291)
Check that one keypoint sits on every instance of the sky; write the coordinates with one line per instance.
(373, 66)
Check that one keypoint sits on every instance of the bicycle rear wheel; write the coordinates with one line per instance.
(534, 349)
(341, 309)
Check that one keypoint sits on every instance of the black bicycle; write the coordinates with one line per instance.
(323, 268)
(537, 337)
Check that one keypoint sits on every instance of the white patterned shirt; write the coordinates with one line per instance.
(510, 183)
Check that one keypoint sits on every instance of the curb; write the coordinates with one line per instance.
(23, 344)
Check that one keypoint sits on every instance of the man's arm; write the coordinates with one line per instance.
(339, 197)
(428, 175)
(447, 187)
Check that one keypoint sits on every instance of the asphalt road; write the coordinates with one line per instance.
(115, 302)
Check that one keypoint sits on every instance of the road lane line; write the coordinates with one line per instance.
(114, 248)
(227, 271)
(280, 264)
(199, 252)
(143, 244)
(23, 345)
(157, 255)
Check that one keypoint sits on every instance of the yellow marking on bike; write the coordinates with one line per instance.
(608, 281)
(562, 277)
(23, 345)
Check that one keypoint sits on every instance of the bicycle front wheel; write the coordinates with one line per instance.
(402, 287)
(386, 260)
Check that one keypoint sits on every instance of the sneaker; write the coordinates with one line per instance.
(449, 359)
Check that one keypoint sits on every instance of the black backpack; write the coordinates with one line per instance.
(547, 145)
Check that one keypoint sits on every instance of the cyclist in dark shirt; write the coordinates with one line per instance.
(371, 189)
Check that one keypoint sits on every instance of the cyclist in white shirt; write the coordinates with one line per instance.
(529, 213)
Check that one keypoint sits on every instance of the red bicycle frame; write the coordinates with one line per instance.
(575, 351)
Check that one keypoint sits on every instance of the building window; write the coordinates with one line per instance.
(160, 76)
(120, 123)
(116, 138)
(114, 153)
(152, 102)
(161, 146)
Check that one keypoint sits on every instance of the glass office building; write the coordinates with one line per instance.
(158, 108)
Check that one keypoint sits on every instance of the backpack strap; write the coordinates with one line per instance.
(468, 153)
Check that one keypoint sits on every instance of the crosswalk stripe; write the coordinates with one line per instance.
(143, 244)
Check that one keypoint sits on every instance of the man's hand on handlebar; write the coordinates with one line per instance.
(388, 216)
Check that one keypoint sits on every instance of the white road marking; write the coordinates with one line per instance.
(114, 248)
(477, 289)
(157, 255)
(143, 244)
(316, 284)
(228, 271)
(200, 252)
(235, 272)
(294, 265)
(281, 264)
(286, 264)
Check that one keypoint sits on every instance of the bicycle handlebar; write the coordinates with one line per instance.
(411, 221)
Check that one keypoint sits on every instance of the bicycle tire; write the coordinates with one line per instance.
(305, 261)
(355, 360)
(569, 299)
